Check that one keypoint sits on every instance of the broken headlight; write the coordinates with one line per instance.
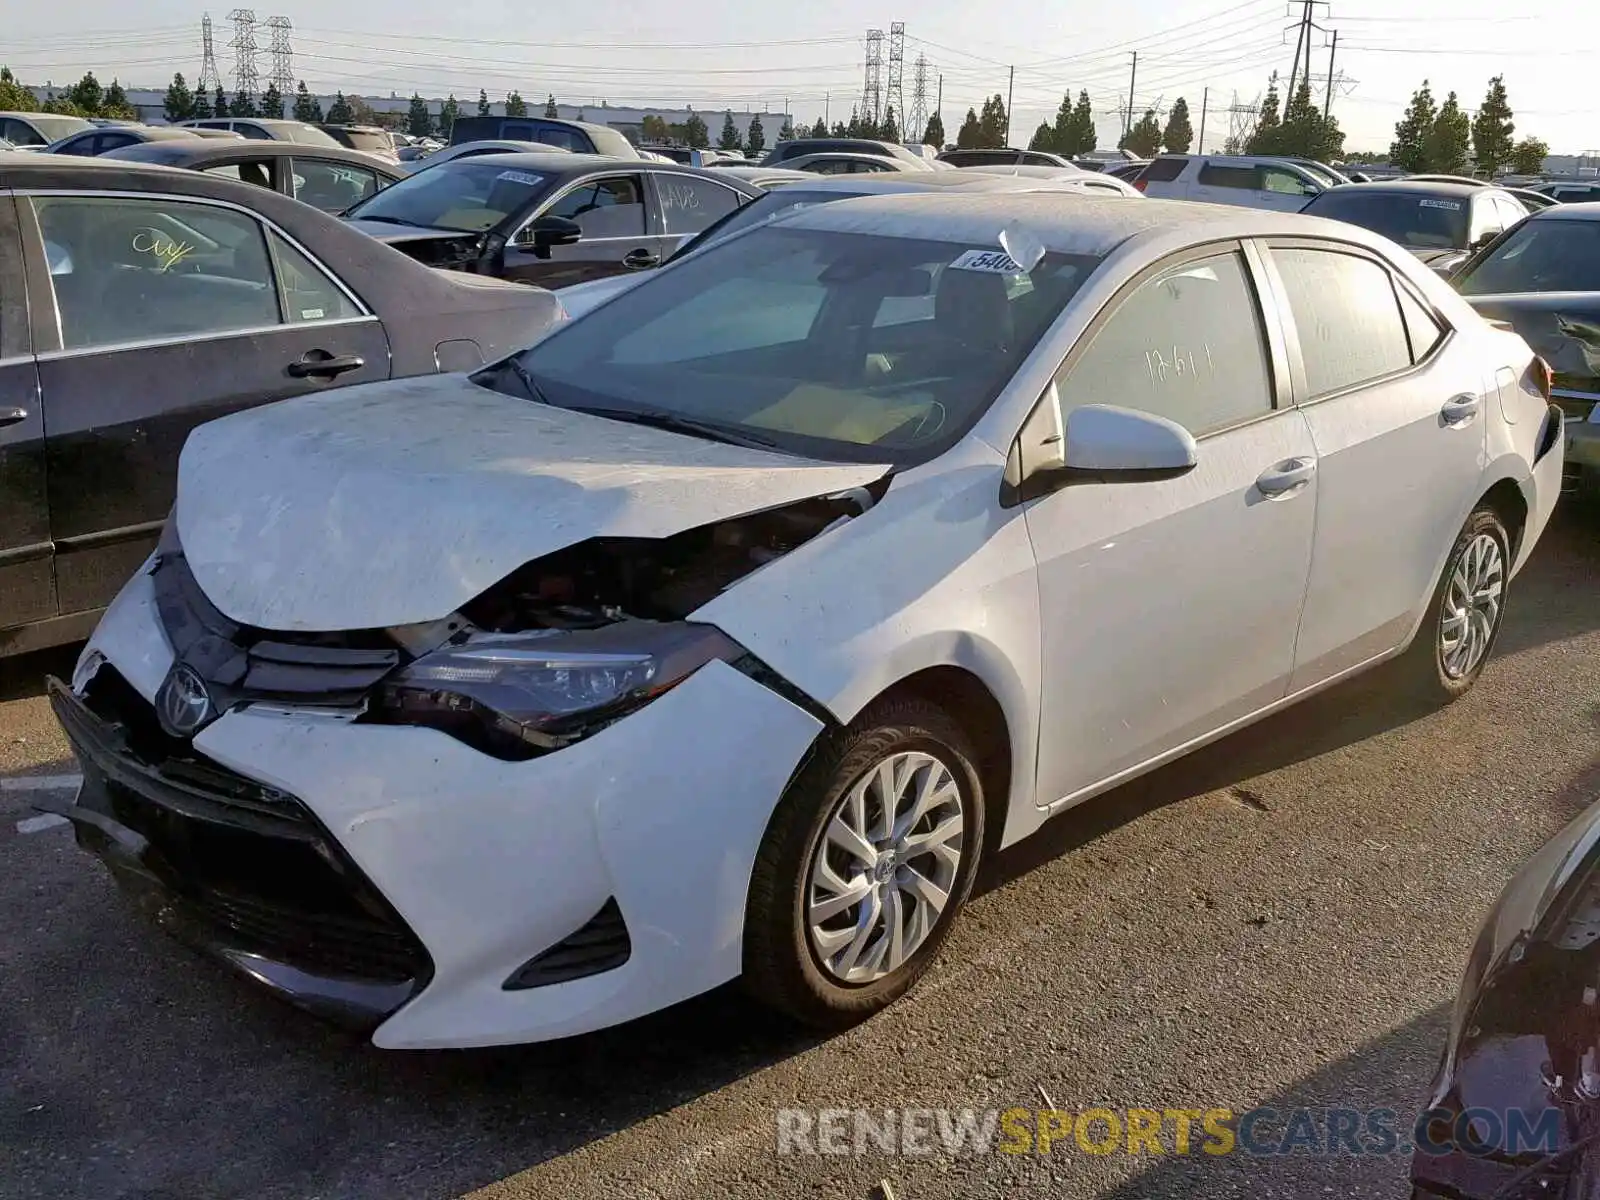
(518, 695)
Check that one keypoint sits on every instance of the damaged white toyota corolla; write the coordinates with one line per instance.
(723, 633)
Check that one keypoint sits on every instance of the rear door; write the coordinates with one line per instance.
(689, 204)
(1399, 422)
(165, 311)
(619, 234)
(27, 589)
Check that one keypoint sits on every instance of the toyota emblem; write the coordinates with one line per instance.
(183, 704)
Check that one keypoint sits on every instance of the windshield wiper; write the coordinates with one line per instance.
(673, 422)
(391, 221)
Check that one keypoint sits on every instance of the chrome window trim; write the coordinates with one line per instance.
(182, 198)
(186, 339)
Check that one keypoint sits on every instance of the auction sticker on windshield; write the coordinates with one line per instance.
(519, 177)
(996, 262)
(1449, 205)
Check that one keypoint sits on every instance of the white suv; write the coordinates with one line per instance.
(1245, 181)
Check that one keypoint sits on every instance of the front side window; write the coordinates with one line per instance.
(1285, 183)
(469, 195)
(1487, 221)
(1348, 318)
(604, 208)
(1545, 255)
(688, 204)
(155, 269)
(779, 335)
(330, 186)
(1187, 345)
(252, 131)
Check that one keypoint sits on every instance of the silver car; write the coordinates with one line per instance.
(725, 631)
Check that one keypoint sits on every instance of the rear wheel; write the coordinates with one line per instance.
(867, 860)
(1466, 613)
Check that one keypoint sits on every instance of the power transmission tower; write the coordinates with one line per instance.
(246, 80)
(919, 99)
(1242, 120)
(210, 78)
(872, 87)
(897, 64)
(282, 73)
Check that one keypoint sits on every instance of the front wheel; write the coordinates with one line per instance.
(1464, 618)
(868, 858)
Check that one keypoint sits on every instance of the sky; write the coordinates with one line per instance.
(808, 59)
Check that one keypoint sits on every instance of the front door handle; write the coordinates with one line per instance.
(1286, 479)
(12, 416)
(1460, 411)
(640, 260)
(319, 364)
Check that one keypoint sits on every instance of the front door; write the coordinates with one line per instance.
(27, 591)
(170, 312)
(1399, 424)
(619, 234)
(1169, 609)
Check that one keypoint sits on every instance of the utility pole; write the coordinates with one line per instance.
(1133, 77)
(827, 109)
(1327, 104)
(1011, 84)
(1205, 105)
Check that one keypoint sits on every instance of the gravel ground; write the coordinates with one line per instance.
(1279, 920)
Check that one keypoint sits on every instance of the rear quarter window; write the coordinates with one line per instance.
(1164, 170)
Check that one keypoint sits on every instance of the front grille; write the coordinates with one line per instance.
(248, 863)
(601, 945)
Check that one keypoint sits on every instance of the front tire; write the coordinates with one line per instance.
(869, 856)
(1466, 612)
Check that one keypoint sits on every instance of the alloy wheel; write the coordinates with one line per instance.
(884, 866)
(1471, 609)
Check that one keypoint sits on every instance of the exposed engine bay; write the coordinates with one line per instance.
(602, 580)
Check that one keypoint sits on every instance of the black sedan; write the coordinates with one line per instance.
(327, 177)
(1543, 278)
(136, 303)
(549, 219)
(1441, 223)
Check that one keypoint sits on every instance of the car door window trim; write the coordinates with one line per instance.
(30, 213)
(149, 343)
(1277, 390)
(1292, 333)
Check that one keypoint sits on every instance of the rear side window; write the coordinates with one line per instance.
(688, 204)
(1349, 322)
(1246, 178)
(1188, 345)
(1422, 327)
(1165, 170)
(128, 270)
(253, 132)
(308, 293)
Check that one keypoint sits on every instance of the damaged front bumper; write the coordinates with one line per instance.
(542, 898)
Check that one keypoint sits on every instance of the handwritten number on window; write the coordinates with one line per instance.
(165, 250)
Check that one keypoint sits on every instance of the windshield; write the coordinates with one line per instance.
(766, 207)
(373, 141)
(831, 345)
(55, 127)
(307, 135)
(470, 195)
(1320, 173)
(1417, 220)
(1551, 255)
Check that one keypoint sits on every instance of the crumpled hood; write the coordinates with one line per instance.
(398, 502)
(1562, 327)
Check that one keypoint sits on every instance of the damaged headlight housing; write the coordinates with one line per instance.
(518, 695)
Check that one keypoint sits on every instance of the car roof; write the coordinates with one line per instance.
(187, 150)
(1589, 211)
(1064, 220)
(1421, 187)
(897, 183)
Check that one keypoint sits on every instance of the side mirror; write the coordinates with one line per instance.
(1097, 443)
(544, 232)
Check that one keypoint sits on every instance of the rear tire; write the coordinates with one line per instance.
(850, 896)
(1466, 612)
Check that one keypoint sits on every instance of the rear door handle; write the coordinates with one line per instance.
(12, 416)
(320, 364)
(1460, 411)
(1286, 479)
(640, 260)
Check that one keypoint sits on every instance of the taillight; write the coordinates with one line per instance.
(1139, 183)
(1542, 376)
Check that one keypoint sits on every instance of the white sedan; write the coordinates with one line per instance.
(726, 631)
